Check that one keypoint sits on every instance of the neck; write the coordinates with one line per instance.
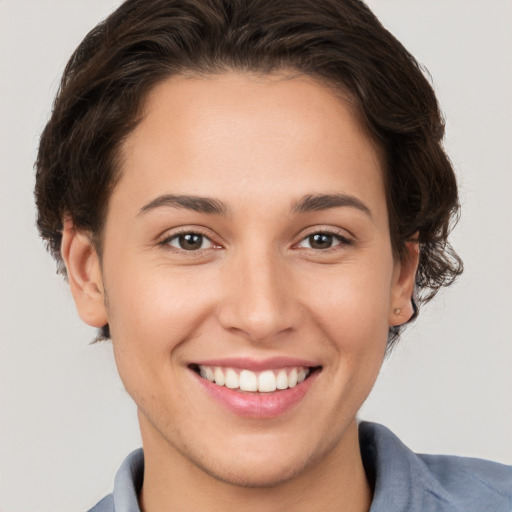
(336, 482)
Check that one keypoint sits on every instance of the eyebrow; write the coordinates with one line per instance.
(194, 203)
(309, 203)
(317, 202)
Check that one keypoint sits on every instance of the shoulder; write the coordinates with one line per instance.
(127, 484)
(410, 482)
(475, 482)
(105, 505)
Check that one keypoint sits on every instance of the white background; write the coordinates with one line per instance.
(65, 421)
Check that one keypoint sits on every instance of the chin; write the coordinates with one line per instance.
(261, 462)
(254, 474)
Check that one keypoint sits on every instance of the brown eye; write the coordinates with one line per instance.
(190, 242)
(319, 241)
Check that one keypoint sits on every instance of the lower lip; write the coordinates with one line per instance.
(258, 405)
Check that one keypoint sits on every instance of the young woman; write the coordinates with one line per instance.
(250, 199)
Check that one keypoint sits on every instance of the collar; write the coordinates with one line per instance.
(402, 480)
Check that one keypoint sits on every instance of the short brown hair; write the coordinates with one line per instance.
(339, 42)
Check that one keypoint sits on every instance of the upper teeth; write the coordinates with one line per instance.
(246, 380)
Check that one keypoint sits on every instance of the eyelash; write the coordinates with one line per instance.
(343, 241)
(166, 242)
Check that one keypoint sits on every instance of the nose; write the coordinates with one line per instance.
(259, 302)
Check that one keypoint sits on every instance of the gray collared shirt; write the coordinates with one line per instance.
(402, 480)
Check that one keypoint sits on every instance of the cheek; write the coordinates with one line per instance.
(352, 304)
(151, 317)
(152, 312)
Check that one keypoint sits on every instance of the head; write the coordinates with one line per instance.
(338, 43)
(161, 56)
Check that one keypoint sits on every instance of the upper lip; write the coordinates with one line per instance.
(257, 365)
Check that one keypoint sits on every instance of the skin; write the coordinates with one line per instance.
(255, 288)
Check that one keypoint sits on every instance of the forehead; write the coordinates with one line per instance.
(233, 134)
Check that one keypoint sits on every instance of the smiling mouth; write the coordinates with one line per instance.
(247, 381)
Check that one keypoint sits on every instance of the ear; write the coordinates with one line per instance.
(404, 278)
(84, 275)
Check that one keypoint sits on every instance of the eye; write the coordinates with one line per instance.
(322, 240)
(189, 242)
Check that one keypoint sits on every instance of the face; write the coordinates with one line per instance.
(248, 274)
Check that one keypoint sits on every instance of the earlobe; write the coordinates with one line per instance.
(84, 275)
(401, 306)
